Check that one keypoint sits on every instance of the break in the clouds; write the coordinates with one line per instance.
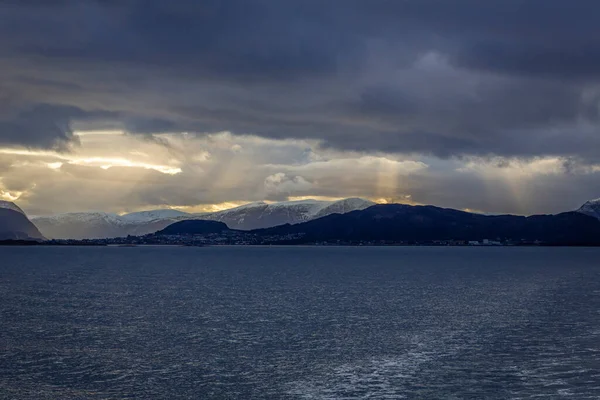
(488, 105)
(117, 172)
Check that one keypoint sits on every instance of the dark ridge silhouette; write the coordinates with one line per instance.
(15, 225)
(398, 222)
(194, 227)
(11, 242)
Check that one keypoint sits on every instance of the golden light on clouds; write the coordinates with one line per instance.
(107, 162)
(99, 133)
(101, 162)
(115, 172)
(513, 168)
(32, 153)
(9, 196)
(54, 165)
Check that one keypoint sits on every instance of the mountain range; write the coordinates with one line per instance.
(250, 216)
(348, 220)
(400, 223)
(262, 215)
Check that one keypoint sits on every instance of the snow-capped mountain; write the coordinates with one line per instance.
(90, 225)
(14, 223)
(344, 206)
(153, 215)
(246, 217)
(263, 215)
(591, 208)
(97, 225)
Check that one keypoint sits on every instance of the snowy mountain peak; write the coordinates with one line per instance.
(345, 206)
(296, 202)
(354, 203)
(151, 215)
(308, 207)
(81, 216)
(591, 208)
(11, 206)
(254, 204)
(595, 201)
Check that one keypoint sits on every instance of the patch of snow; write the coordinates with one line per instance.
(82, 217)
(152, 215)
(308, 207)
(591, 208)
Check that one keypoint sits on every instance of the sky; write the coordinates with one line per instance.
(490, 106)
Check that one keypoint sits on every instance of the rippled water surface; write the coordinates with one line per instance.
(299, 323)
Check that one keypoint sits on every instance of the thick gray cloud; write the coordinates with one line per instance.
(467, 77)
(44, 125)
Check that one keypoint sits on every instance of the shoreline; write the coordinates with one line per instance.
(20, 243)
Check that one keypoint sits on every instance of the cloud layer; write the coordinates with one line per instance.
(419, 83)
(465, 77)
(119, 173)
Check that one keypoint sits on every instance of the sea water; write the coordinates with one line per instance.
(299, 323)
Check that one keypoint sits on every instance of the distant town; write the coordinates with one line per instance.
(237, 238)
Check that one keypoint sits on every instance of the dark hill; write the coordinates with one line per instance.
(397, 222)
(194, 227)
(15, 225)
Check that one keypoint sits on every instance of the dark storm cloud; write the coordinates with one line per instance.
(236, 39)
(449, 78)
(43, 125)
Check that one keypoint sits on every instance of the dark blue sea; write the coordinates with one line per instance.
(299, 323)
